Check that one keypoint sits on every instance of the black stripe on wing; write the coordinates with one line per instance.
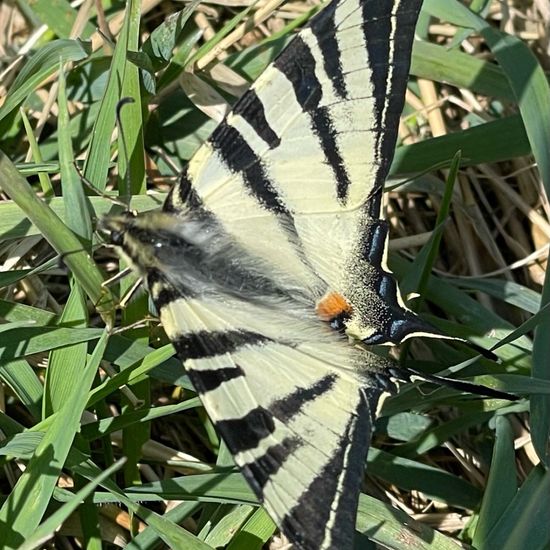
(205, 343)
(162, 293)
(297, 63)
(377, 28)
(212, 379)
(290, 405)
(251, 109)
(239, 157)
(258, 472)
(310, 523)
(245, 433)
(324, 29)
(389, 61)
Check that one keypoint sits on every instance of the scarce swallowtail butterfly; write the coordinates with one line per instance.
(269, 255)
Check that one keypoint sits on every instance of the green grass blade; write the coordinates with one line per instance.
(486, 143)
(47, 529)
(59, 16)
(21, 341)
(62, 239)
(67, 362)
(77, 207)
(99, 151)
(105, 426)
(256, 531)
(22, 511)
(44, 178)
(501, 485)
(410, 474)
(14, 224)
(41, 65)
(148, 539)
(532, 91)
(392, 528)
(509, 292)
(20, 377)
(526, 517)
(423, 264)
(459, 69)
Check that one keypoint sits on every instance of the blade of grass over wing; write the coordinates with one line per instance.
(22, 511)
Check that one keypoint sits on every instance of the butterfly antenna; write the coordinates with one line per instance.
(97, 191)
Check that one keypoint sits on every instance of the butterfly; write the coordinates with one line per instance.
(267, 265)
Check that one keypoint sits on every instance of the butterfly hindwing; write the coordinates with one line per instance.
(293, 401)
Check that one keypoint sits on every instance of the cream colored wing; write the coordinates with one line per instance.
(293, 401)
(295, 172)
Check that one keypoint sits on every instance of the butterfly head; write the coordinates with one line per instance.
(114, 228)
(139, 238)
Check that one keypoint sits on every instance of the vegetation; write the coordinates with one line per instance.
(75, 397)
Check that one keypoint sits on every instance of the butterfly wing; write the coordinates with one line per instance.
(292, 399)
(295, 172)
(279, 209)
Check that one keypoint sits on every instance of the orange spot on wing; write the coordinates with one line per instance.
(332, 305)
